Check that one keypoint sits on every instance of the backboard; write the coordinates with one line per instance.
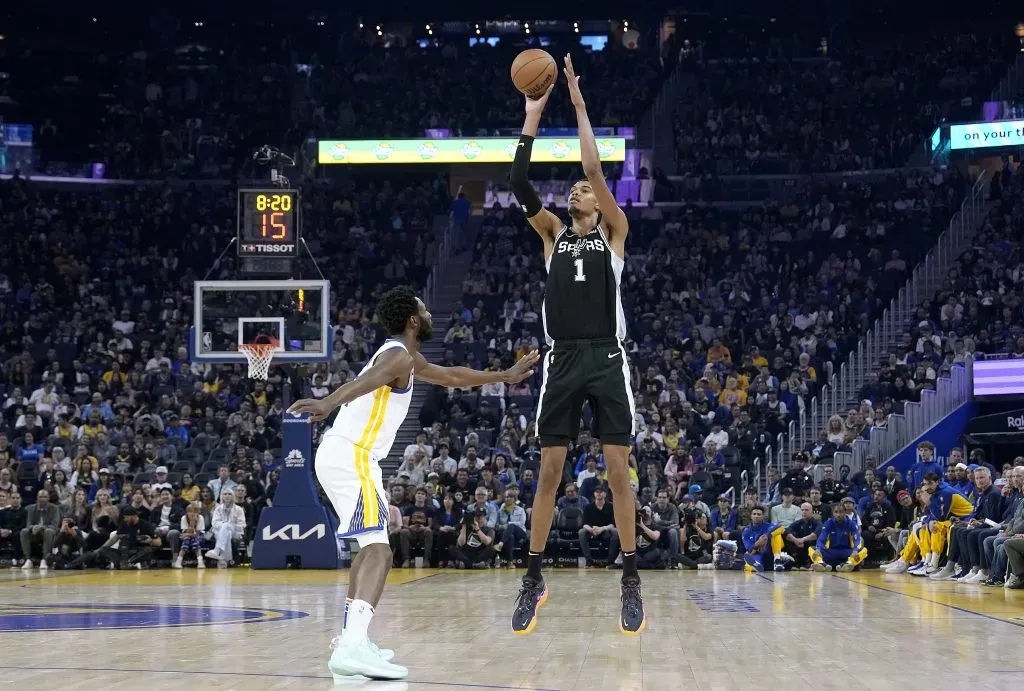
(293, 315)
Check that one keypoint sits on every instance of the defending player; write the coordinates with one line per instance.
(373, 408)
(584, 326)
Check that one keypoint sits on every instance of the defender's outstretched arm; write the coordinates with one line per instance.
(391, 365)
(464, 376)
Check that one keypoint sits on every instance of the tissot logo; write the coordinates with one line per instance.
(292, 531)
(274, 249)
(1016, 423)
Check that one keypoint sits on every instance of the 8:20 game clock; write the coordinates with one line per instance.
(269, 223)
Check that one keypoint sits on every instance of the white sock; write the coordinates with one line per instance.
(357, 622)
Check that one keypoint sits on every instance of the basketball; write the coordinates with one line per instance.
(533, 71)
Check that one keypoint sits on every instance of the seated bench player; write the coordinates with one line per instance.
(840, 545)
(763, 542)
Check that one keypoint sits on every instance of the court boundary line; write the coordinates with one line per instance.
(268, 675)
(931, 602)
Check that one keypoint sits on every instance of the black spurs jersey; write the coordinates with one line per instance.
(581, 296)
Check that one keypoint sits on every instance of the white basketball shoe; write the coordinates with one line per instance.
(362, 659)
(385, 654)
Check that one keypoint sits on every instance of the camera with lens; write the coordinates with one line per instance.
(690, 515)
(468, 517)
(643, 514)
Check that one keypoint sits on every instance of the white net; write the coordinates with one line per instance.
(259, 356)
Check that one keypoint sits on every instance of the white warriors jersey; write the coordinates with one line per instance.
(372, 420)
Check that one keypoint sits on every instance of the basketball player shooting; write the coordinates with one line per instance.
(584, 326)
(373, 407)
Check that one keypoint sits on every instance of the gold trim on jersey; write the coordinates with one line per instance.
(364, 446)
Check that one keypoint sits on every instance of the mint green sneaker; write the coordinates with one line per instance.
(386, 654)
(362, 658)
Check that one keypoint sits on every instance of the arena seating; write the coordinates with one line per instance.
(667, 313)
(466, 89)
(761, 353)
(982, 305)
(94, 312)
(863, 110)
(976, 313)
(170, 110)
(174, 110)
(736, 317)
(817, 304)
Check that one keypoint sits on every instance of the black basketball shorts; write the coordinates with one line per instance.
(589, 370)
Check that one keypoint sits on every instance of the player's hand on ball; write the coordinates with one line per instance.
(522, 369)
(536, 105)
(318, 409)
(574, 83)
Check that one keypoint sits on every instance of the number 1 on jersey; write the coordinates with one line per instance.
(580, 276)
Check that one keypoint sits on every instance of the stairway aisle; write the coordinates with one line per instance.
(449, 292)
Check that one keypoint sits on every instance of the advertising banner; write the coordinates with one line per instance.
(483, 150)
(1008, 424)
(297, 530)
(998, 377)
(985, 135)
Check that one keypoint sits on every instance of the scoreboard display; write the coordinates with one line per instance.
(269, 223)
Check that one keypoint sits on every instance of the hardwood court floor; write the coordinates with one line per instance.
(244, 629)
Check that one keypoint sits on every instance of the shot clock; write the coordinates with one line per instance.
(269, 223)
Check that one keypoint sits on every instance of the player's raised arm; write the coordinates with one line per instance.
(540, 219)
(614, 219)
(391, 365)
(463, 376)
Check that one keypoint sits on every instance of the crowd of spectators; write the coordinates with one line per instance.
(979, 308)
(976, 312)
(102, 416)
(454, 86)
(183, 102)
(196, 100)
(736, 319)
(108, 433)
(470, 514)
(858, 110)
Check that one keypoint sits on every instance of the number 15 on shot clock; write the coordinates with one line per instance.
(269, 223)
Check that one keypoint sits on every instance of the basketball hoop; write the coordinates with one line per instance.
(259, 356)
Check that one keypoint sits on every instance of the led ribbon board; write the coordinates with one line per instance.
(482, 150)
(986, 135)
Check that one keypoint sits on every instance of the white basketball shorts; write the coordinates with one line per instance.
(353, 480)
